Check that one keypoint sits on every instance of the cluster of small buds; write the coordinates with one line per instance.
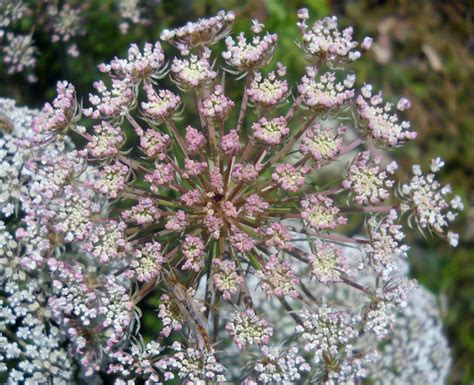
(59, 116)
(277, 278)
(66, 24)
(107, 242)
(195, 366)
(138, 362)
(327, 332)
(112, 103)
(325, 94)
(147, 263)
(270, 131)
(255, 205)
(202, 33)
(160, 105)
(268, 91)
(245, 56)
(170, 315)
(192, 197)
(382, 124)
(327, 263)
(177, 222)
(279, 366)
(195, 140)
(241, 241)
(112, 180)
(276, 235)
(246, 328)
(245, 172)
(230, 143)
(19, 54)
(428, 201)
(367, 181)
(139, 66)
(217, 106)
(106, 142)
(213, 223)
(194, 71)
(226, 278)
(162, 175)
(320, 213)
(385, 246)
(193, 252)
(324, 41)
(321, 143)
(145, 212)
(193, 168)
(290, 178)
(153, 143)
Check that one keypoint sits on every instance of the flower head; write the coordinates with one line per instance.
(229, 215)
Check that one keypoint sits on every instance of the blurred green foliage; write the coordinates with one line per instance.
(422, 50)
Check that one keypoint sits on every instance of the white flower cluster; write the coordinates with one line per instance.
(428, 201)
(417, 351)
(32, 348)
(15, 122)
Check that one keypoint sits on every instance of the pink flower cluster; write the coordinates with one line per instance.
(202, 219)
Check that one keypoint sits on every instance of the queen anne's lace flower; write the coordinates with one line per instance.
(113, 179)
(424, 195)
(19, 54)
(193, 72)
(106, 142)
(112, 103)
(226, 278)
(270, 131)
(204, 32)
(367, 180)
(290, 178)
(382, 125)
(385, 246)
(324, 41)
(270, 90)
(194, 365)
(193, 252)
(327, 263)
(279, 366)
(320, 213)
(217, 106)
(325, 93)
(246, 328)
(230, 213)
(322, 143)
(160, 105)
(147, 262)
(245, 56)
(60, 115)
(139, 66)
(278, 279)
